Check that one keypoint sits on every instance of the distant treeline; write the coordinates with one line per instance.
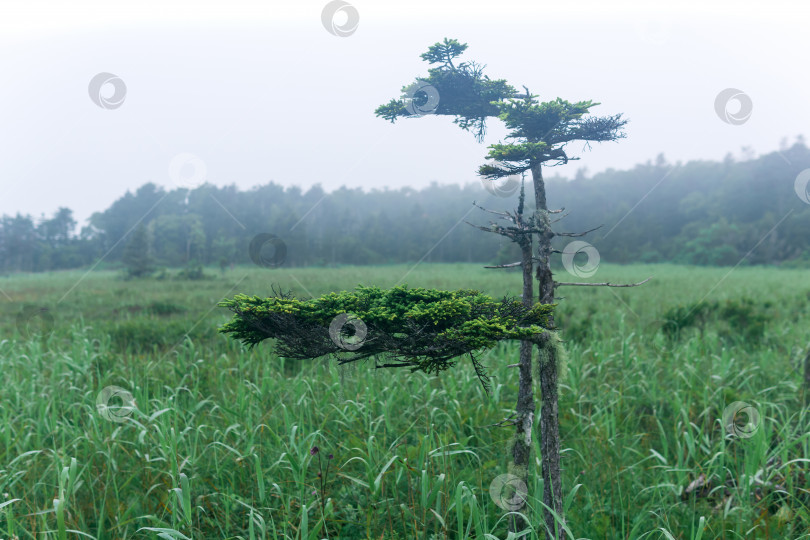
(701, 212)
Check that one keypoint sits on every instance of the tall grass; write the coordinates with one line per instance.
(217, 441)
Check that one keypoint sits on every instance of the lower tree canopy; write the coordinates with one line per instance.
(423, 329)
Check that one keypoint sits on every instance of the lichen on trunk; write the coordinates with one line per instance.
(524, 410)
(548, 363)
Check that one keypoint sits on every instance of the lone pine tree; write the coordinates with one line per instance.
(539, 133)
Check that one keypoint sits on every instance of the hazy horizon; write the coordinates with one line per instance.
(263, 92)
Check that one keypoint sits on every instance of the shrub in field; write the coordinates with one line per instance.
(143, 333)
(136, 254)
(742, 319)
(164, 308)
(193, 272)
(138, 332)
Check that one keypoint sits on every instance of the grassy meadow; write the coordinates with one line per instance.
(131, 417)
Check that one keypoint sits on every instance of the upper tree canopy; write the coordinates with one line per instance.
(464, 91)
(539, 130)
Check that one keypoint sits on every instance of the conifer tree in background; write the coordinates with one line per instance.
(539, 133)
(136, 254)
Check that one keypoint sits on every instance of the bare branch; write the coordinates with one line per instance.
(511, 232)
(509, 421)
(606, 284)
(510, 265)
(513, 265)
(576, 235)
(562, 217)
(506, 214)
(492, 228)
(379, 366)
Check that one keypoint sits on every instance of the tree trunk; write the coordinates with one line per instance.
(549, 417)
(807, 377)
(524, 421)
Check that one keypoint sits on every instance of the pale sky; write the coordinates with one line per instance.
(262, 91)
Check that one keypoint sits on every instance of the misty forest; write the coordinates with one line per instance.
(704, 213)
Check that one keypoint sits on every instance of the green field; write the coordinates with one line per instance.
(218, 442)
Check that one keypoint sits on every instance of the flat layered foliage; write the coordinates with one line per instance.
(424, 329)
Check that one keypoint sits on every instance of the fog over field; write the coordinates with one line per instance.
(260, 91)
